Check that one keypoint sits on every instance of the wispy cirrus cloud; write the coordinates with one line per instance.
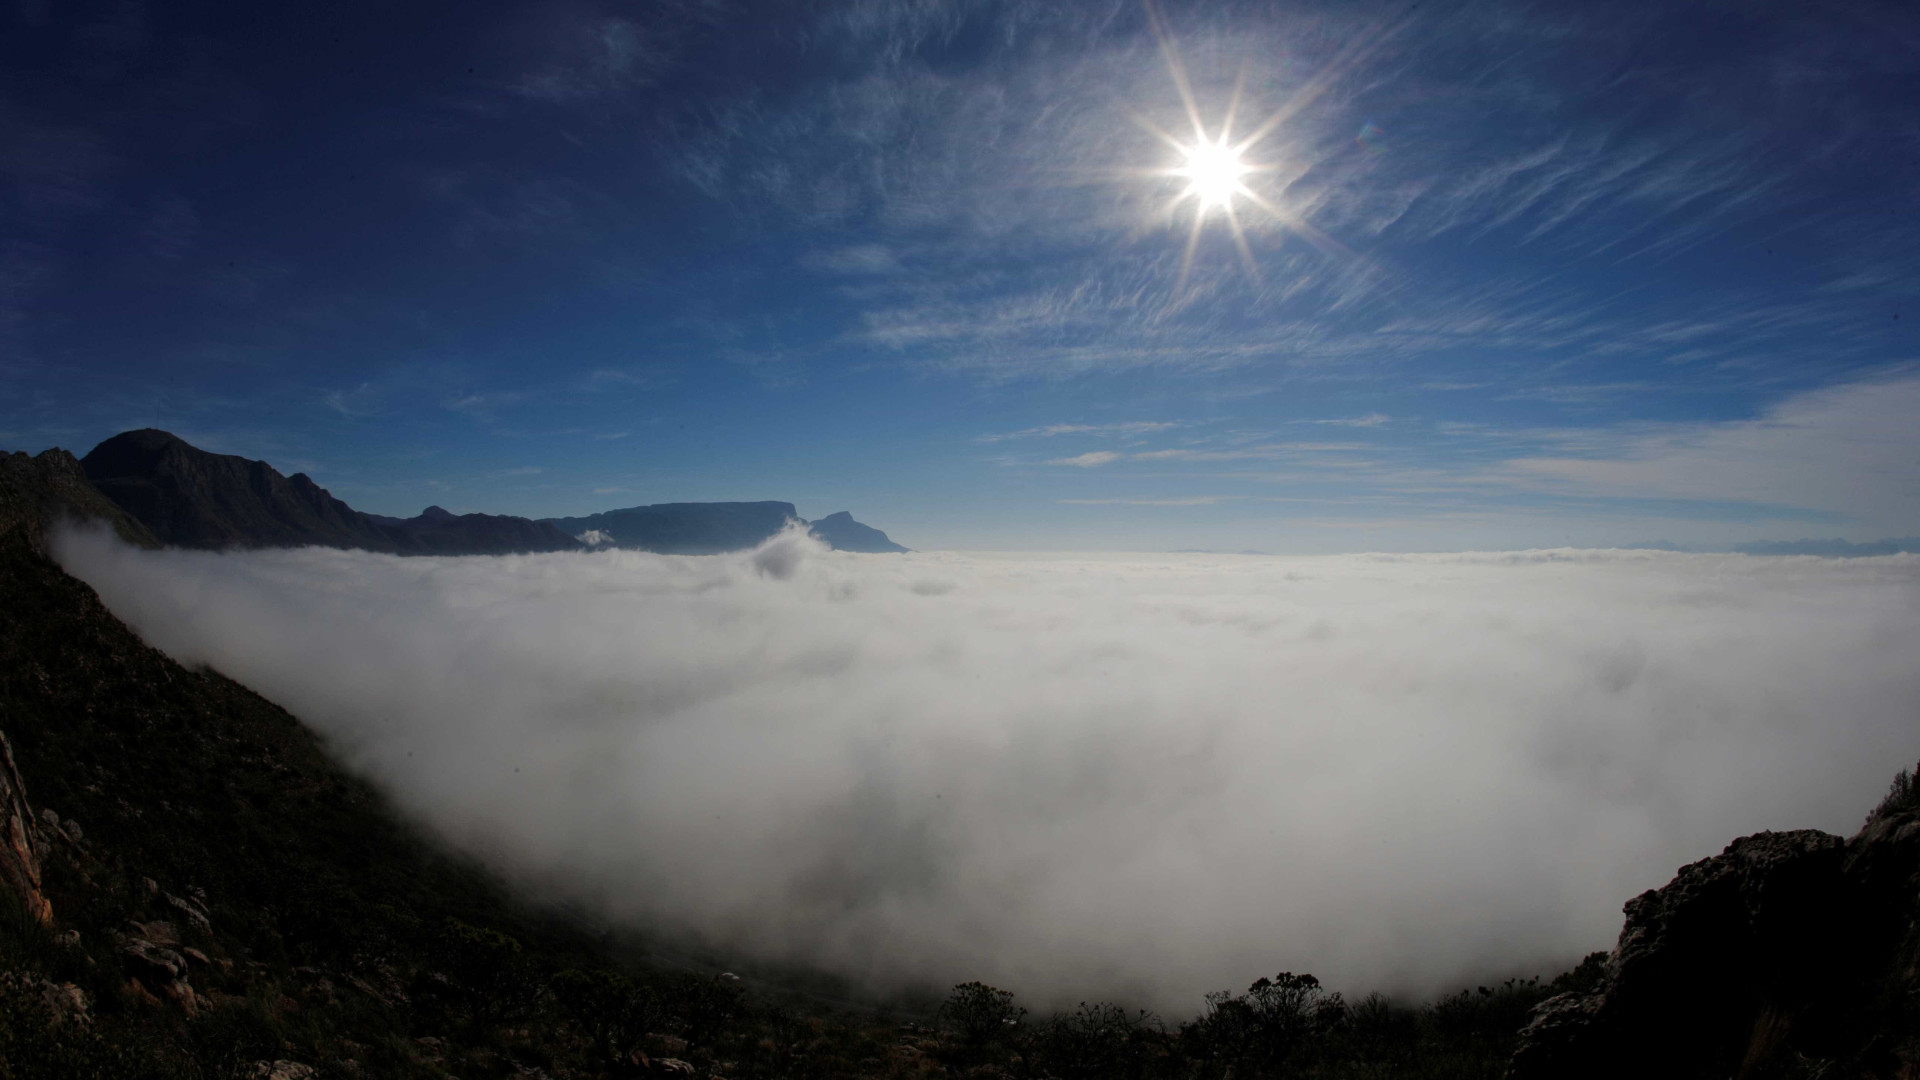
(1182, 500)
(1845, 450)
(357, 403)
(853, 259)
(1023, 182)
(1368, 420)
(1123, 428)
(482, 405)
(1090, 460)
(1264, 451)
(1257, 452)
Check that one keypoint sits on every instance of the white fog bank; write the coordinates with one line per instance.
(1138, 777)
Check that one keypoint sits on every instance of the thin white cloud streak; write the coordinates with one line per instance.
(1137, 777)
(1848, 450)
(1089, 460)
(1131, 427)
(1187, 500)
(1373, 419)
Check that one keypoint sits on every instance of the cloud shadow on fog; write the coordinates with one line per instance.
(1137, 777)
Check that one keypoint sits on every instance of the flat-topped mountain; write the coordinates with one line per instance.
(188, 497)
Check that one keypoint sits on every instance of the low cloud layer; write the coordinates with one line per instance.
(1138, 777)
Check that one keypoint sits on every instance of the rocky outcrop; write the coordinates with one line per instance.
(1788, 954)
(841, 533)
(188, 497)
(19, 857)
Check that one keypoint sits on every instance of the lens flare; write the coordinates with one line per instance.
(1213, 171)
(1214, 166)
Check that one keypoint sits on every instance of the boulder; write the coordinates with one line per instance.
(150, 962)
(1786, 954)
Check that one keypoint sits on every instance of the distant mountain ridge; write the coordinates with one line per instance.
(711, 528)
(187, 497)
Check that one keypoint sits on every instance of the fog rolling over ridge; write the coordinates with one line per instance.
(1138, 777)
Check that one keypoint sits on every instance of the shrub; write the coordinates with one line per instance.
(1093, 1042)
(1266, 1025)
(611, 1009)
(1488, 1012)
(980, 1017)
(1380, 1028)
(705, 1006)
(485, 973)
(227, 1042)
(1588, 974)
(1902, 796)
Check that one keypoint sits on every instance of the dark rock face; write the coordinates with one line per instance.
(685, 528)
(1785, 954)
(36, 492)
(841, 533)
(190, 498)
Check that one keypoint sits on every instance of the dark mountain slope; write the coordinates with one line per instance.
(36, 492)
(841, 533)
(215, 826)
(209, 895)
(188, 497)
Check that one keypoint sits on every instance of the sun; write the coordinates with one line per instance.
(1216, 175)
(1213, 160)
(1212, 170)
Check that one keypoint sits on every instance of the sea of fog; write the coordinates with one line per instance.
(1137, 777)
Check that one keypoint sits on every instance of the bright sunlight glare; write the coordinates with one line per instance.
(1213, 171)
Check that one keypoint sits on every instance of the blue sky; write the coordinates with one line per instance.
(1514, 275)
